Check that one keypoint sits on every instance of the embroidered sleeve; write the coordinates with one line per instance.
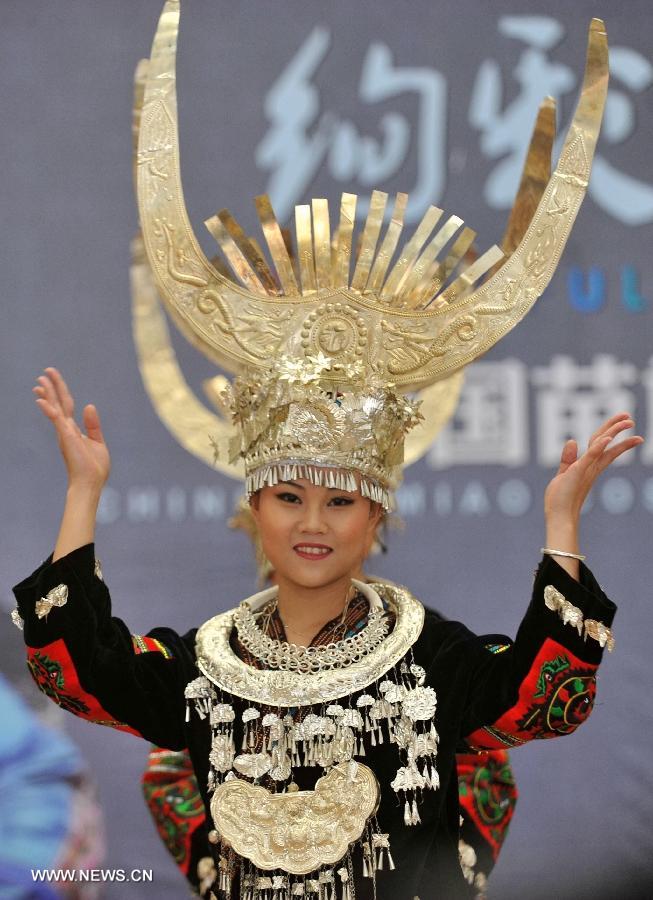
(173, 798)
(543, 685)
(87, 662)
(487, 795)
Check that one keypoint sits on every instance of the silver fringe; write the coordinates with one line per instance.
(319, 474)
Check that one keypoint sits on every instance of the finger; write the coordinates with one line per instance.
(91, 419)
(45, 390)
(65, 397)
(65, 428)
(568, 456)
(593, 453)
(608, 424)
(616, 429)
(49, 392)
(47, 409)
(609, 455)
(43, 402)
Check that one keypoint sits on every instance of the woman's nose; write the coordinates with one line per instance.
(313, 521)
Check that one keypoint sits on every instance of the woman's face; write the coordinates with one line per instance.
(314, 536)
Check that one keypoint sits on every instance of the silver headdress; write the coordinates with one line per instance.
(406, 323)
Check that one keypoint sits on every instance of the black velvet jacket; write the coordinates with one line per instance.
(492, 693)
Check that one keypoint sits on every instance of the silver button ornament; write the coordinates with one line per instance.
(58, 596)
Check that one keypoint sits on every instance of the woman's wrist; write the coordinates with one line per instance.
(566, 527)
(562, 534)
(84, 492)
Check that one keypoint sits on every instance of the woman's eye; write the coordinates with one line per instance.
(341, 501)
(287, 497)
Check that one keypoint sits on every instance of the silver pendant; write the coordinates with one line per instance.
(253, 765)
(419, 704)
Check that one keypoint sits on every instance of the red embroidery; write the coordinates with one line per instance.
(487, 795)
(555, 697)
(173, 798)
(54, 672)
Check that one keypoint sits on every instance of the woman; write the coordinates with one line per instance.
(486, 786)
(326, 771)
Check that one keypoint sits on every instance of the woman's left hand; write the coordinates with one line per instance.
(567, 491)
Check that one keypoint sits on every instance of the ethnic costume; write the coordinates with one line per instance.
(328, 772)
(486, 787)
(486, 691)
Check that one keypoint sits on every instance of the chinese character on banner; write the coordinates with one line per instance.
(573, 400)
(491, 422)
(505, 130)
(302, 136)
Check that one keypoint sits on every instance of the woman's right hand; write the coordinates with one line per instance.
(86, 455)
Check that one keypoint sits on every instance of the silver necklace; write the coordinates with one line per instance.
(351, 594)
(294, 658)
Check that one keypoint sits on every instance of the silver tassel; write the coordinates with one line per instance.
(343, 874)
(368, 861)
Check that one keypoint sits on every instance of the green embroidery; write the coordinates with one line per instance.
(549, 670)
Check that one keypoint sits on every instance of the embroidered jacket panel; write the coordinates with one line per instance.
(492, 693)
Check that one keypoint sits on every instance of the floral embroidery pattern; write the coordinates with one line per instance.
(173, 798)
(53, 671)
(565, 700)
(487, 794)
(48, 675)
(555, 697)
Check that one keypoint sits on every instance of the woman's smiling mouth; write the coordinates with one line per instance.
(312, 551)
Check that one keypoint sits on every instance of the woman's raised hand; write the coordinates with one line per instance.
(566, 492)
(568, 489)
(86, 455)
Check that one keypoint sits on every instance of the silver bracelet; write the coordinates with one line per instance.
(548, 552)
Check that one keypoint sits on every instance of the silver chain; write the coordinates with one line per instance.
(294, 658)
